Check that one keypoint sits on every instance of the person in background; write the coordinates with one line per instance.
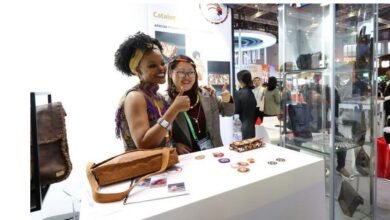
(341, 154)
(245, 103)
(143, 117)
(258, 92)
(198, 128)
(359, 95)
(386, 94)
(383, 82)
(272, 98)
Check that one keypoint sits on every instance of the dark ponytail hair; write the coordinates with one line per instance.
(245, 77)
(272, 82)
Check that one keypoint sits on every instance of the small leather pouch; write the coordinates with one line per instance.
(349, 199)
(248, 144)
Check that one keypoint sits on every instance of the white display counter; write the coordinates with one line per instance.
(293, 189)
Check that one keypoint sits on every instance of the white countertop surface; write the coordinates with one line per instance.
(211, 184)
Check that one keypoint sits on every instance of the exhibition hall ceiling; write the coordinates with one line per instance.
(264, 17)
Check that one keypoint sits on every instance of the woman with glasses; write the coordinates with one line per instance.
(197, 128)
(144, 118)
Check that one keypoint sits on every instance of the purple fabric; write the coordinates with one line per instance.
(118, 117)
(152, 110)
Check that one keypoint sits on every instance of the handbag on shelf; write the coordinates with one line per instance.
(54, 160)
(349, 199)
(309, 61)
(299, 121)
(304, 61)
(363, 49)
(315, 60)
(362, 162)
(125, 166)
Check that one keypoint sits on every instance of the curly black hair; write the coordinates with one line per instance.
(126, 50)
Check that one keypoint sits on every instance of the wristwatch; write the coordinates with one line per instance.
(164, 123)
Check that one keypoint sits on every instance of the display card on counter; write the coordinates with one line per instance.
(168, 184)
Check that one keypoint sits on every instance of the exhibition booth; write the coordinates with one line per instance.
(294, 175)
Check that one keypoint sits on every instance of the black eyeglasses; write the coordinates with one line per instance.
(182, 74)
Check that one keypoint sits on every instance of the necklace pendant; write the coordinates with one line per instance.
(196, 121)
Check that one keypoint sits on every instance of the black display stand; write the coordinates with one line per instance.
(37, 192)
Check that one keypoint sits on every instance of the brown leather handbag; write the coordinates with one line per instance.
(349, 199)
(125, 166)
(54, 159)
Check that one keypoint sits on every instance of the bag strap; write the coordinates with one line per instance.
(112, 197)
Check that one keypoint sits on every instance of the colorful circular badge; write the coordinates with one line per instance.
(242, 164)
(280, 159)
(251, 160)
(272, 162)
(224, 160)
(200, 157)
(218, 154)
(214, 13)
(243, 169)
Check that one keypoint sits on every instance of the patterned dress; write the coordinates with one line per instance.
(156, 106)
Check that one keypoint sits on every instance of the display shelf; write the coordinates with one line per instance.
(37, 191)
(320, 144)
(329, 78)
(298, 71)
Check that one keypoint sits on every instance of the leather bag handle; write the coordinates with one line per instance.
(112, 197)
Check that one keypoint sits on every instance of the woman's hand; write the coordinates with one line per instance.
(210, 89)
(181, 102)
(225, 93)
(182, 148)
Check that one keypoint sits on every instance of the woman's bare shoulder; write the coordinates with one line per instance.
(134, 98)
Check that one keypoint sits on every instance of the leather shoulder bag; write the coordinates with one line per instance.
(54, 160)
(125, 166)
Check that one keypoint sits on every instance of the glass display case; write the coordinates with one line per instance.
(329, 94)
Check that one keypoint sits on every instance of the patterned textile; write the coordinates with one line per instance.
(152, 99)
